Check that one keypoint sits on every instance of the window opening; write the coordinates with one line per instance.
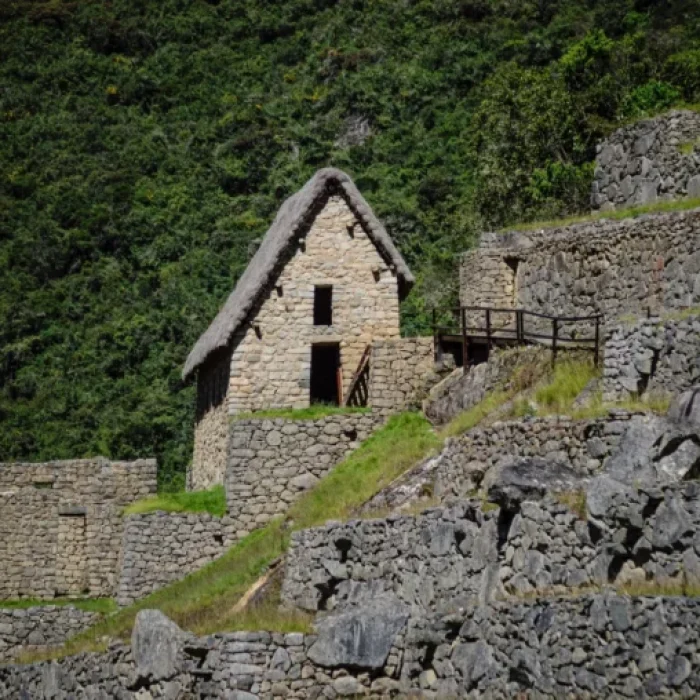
(323, 306)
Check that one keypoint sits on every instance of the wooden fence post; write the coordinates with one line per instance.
(464, 340)
(555, 335)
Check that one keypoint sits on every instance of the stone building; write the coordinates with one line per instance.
(324, 284)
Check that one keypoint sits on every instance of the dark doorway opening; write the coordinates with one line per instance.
(323, 306)
(325, 374)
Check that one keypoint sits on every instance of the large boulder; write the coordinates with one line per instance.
(529, 478)
(658, 449)
(156, 645)
(359, 637)
(685, 409)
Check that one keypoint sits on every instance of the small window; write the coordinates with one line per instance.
(323, 306)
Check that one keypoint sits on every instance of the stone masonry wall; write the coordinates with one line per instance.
(271, 361)
(399, 370)
(61, 524)
(159, 548)
(652, 356)
(643, 163)
(611, 267)
(461, 557)
(272, 462)
(584, 444)
(599, 645)
(211, 424)
(29, 629)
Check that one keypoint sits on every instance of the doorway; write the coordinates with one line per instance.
(326, 384)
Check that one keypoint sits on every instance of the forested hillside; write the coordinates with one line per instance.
(145, 143)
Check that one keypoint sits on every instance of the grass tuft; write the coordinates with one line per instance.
(472, 417)
(568, 382)
(211, 501)
(310, 413)
(575, 501)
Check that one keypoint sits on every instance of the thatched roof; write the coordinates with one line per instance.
(294, 215)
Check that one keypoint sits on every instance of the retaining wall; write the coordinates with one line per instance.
(642, 163)
(610, 267)
(582, 443)
(652, 355)
(272, 462)
(30, 629)
(159, 548)
(61, 525)
(599, 645)
(460, 556)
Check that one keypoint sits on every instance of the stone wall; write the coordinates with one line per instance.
(61, 525)
(272, 462)
(159, 548)
(598, 645)
(211, 424)
(582, 443)
(462, 557)
(271, 360)
(400, 372)
(31, 629)
(652, 356)
(611, 267)
(643, 163)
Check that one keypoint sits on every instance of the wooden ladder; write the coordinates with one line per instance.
(358, 391)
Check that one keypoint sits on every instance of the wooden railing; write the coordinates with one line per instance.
(542, 329)
(358, 391)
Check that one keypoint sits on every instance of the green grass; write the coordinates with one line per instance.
(104, 606)
(687, 148)
(310, 413)
(203, 601)
(569, 380)
(630, 212)
(211, 501)
(473, 416)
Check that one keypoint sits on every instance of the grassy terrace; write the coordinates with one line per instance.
(211, 501)
(203, 602)
(104, 606)
(618, 214)
(310, 413)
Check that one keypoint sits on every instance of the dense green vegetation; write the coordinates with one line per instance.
(144, 145)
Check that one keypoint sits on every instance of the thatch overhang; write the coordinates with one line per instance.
(291, 222)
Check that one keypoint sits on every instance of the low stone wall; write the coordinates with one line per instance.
(583, 444)
(401, 371)
(159, 548)
(599, 645)
(30, 629)
(272, 462)
(642, 163)
(461, 556)
(427, 561)
(61, 524)
(653, 356)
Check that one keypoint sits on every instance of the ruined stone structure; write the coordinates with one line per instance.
(658, 355)
(651, 160)
(39, 628)
(611, 267)
(323, 286)
(61, 525)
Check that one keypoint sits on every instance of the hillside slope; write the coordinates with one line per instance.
(144, 146)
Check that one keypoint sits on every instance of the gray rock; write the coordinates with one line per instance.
(360, 637)
(685, 409)
(670, 524)
(156, 643)
(347, 685)
(530, 478)
(678, 671)
(473, 661)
